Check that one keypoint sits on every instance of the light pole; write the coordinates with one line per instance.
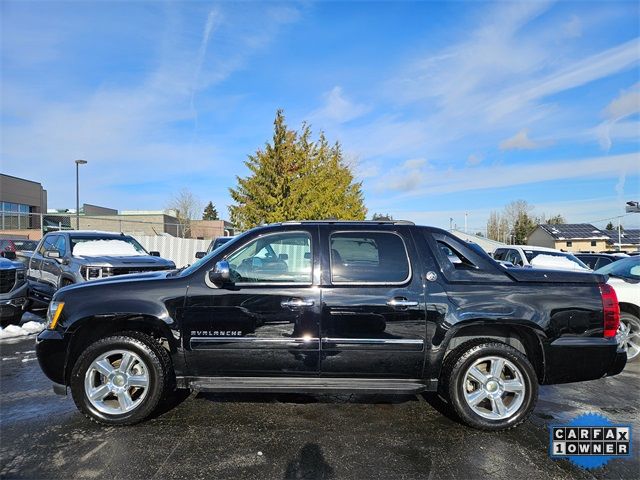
(78, 163)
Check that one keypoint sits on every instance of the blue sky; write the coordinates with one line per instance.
(442, 108)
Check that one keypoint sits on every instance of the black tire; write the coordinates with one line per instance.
(630, 320)
(453, 383)
(157, 366)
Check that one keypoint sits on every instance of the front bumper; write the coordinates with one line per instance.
(12, 304)
(51, 350)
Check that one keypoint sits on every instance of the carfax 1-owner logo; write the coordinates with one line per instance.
(590, 441)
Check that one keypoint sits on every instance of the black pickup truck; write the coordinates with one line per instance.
(365, 307)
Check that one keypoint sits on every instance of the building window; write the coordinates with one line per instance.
(14, 216)
(593, 243)
(569, 244)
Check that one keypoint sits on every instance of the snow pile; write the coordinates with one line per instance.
(94, 248)
(555, 262)
(13, 331)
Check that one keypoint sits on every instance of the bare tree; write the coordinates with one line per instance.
(187, 207)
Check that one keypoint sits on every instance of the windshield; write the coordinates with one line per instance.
(25, 244)
(87, 246)
(198, 263)
(531, 254)
(625, 268)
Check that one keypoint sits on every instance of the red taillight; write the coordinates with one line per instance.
(611, 310)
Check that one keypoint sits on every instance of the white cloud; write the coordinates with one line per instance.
(414, 164)
(621, 107)
(474, 159)
(338, 108)
(627, 103)
(407, 177)
(498, 176)
(520, 141)
(572, 28)
(127, 133)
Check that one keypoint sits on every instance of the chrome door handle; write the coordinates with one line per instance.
(401, 302)
(296, 303)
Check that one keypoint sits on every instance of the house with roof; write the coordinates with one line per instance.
(629, 239)
(570, 237)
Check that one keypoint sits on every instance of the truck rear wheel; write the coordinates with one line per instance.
(629, 335)
(119, 380)
(490, 385)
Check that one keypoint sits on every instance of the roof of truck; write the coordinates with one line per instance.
(346, 222)
(81, 233)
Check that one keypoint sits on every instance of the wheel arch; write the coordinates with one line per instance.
(524, 338)
(630, 308)
(91, 329)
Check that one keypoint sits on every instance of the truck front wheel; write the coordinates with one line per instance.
(490, 385)
(120, 379)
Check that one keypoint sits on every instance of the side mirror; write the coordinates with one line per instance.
(154, 254)
(221, 273)
(201, 254)
(283, 256)
(52, 254)
(9, 255)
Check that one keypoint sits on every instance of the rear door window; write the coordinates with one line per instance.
(368, 258)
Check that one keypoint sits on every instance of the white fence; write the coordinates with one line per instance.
(181, 250)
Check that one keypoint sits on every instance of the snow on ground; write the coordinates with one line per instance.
(93, 248)
(15, 331)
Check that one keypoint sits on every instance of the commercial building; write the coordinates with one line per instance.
(21, 203)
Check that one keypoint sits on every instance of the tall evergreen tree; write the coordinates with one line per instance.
(210, 212)
(296, 178)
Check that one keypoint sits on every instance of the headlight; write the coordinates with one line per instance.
(90, 273)
(53, 314)
(20, 276)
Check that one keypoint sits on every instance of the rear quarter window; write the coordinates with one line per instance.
(459, 262)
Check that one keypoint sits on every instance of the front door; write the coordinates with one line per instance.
(49, 271)
(373, 316)
(266, 321)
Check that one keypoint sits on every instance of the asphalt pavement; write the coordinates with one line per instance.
(42, 435)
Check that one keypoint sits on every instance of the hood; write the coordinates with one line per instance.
(6, 264)
(124, 260)
(132, 277)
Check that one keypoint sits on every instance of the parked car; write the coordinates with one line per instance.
(597, 260)
(213, 245)
(68, 257)
(19, 246)
(624, 277)
(539, 257)
(310, 307)
(13, 289)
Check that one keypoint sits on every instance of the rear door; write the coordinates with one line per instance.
(373, 311)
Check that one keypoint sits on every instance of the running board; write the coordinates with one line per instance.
(303, 385)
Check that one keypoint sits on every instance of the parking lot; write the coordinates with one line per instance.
(292, 436)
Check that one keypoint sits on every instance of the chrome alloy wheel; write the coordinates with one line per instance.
(116, 382)
(629, 337)
(494, 388)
